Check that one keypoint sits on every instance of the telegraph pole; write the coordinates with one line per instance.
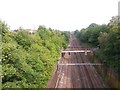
(118, 25)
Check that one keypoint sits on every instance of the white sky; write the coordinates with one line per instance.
(57, 14)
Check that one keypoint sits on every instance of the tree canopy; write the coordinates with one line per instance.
(107, 37)
(28, 60)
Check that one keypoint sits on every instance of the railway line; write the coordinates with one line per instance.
(75, 70)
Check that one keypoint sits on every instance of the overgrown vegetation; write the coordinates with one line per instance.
(107, 39)
(29, 59)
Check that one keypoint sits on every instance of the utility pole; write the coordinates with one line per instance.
(119, 11)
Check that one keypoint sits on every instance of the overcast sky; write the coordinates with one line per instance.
(57, 14)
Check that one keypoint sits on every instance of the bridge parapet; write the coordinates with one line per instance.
(86, 51)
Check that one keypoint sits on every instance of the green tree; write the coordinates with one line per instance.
(28, 60)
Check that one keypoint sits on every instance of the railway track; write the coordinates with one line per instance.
(75, 71)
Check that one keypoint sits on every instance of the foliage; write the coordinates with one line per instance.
(29, 59)
(111, 46)
(23, 38)
(91, 33)
(3, 28)
(107, 37)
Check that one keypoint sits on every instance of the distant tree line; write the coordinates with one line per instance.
(28, 60)
(107, 39)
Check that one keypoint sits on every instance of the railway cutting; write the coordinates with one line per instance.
(74, 69)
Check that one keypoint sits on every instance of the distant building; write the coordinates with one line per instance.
(16, 30)
(32, 31)
(29, 30)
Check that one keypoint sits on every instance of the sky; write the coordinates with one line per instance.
(65, 15)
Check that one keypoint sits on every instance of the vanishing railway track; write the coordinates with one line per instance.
(70, 74)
